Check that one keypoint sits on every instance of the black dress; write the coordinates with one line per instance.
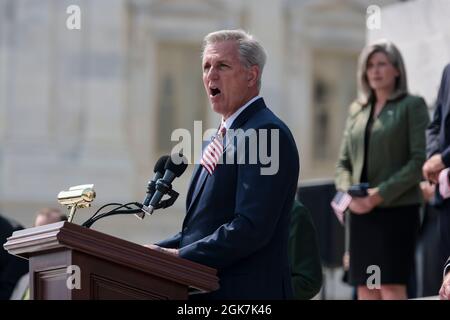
(384, 238)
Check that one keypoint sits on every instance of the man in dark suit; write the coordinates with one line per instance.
(444, 292)
(237, 218)
(438, 153)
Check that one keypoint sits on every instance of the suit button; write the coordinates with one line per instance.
(185, 229)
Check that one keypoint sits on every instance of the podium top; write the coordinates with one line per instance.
(68, 236)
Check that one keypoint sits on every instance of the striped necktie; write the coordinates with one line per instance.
(213, 151)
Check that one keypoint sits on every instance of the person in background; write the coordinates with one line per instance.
(43, 216)
(444, 184)
(11, 267)
(304, 254)
(48, 215)
(383, 145)
(438, 154)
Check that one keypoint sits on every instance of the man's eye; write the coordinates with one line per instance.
(223, 66)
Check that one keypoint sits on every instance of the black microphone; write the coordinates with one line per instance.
(151, 186)
(163, 185)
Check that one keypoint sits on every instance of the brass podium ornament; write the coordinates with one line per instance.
(77, 197)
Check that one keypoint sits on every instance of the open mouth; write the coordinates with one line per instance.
(214, 91)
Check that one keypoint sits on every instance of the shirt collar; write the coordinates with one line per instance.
(229, 122)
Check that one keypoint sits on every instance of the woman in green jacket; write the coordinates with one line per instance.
(383, 145)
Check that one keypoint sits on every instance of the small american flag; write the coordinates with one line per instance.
(339, 204)
(213, 151)
(444, 183)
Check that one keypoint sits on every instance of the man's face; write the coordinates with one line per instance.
(42, 219)
(227, 82)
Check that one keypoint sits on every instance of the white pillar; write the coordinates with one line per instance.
(264, 13)
(141, 98)
(421, 31)
(299, 90)
(29, 68)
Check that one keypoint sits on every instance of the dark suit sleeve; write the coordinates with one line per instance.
(447, 267)
(12, 268)
(173, 242)
(434, 128)
(304, 254)
(260, 202)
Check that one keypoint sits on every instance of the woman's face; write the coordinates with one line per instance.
(380, 72)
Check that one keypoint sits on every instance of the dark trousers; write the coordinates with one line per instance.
(444, 227)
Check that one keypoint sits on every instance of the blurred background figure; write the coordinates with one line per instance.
(384, 146)
(304, 254)
(48, 215)
(43, 216)
(11, 267)
(438, 153)
(434, 169)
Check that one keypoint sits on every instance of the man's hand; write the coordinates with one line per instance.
(428, 190)
(173, 252)
(444, 292)
(432, 167)
(365, 204)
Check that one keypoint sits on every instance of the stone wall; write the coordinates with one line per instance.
(421, 30)
(81, 106)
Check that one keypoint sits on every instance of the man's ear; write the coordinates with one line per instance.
(252, 75)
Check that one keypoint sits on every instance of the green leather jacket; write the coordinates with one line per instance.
(396, 150)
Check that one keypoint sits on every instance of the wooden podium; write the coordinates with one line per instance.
(110, 268)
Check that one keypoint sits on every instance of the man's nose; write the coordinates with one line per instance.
(212, 74)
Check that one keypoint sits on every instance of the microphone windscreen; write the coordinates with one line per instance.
(177, 163)
(160, 164)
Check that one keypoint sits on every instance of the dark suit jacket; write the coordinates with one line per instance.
(447, 267)
(12, 268)
(304, 254)
(438, 132)
(237, 219)
(438, 141)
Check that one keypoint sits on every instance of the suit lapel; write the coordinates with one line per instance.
(197, 185)
(192, 184)
(200, 176)
(248, 113)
